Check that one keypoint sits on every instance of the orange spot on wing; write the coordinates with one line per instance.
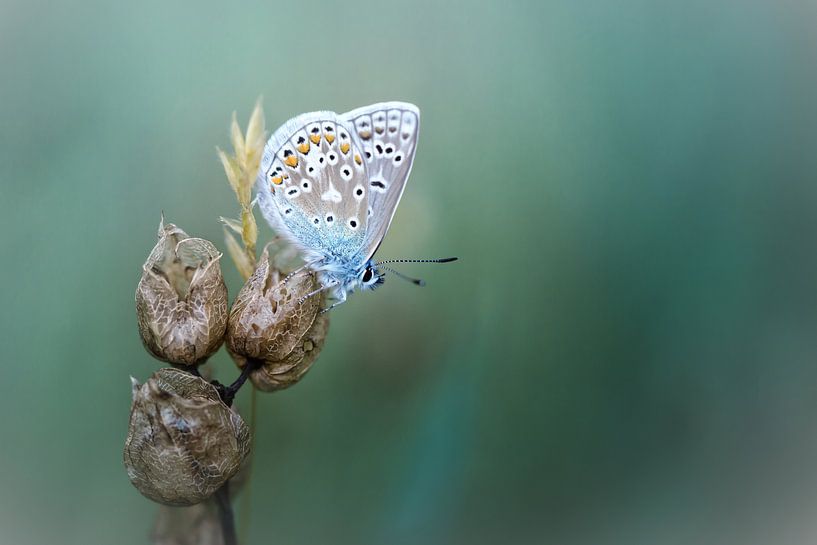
(358, 160)
(329, 137)
(291, 161)
(277, 180)
(344, 148)
(304, 148)
(316, 138)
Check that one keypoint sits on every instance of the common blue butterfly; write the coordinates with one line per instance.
(330, 184)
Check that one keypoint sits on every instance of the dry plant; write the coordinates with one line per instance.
(187, 446)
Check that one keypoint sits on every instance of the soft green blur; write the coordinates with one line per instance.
(625, 353)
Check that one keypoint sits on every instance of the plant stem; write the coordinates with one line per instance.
(228, 393)
(225, 514)
(246, 500)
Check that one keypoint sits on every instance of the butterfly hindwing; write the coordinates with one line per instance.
(388, 134)
(313, 186)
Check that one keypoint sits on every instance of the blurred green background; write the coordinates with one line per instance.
(624, 354)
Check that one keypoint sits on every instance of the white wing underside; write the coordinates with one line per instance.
(388, 132)
(330, 184)
(313, 186)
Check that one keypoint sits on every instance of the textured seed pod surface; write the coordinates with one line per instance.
(181, 299)
(183, 442)
(272, 322)
(277, 375)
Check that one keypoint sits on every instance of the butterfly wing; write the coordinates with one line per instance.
(313, 186)
(388, 134)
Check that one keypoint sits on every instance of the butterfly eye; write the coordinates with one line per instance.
(367, 275)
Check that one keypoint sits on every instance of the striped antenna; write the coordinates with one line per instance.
(415, 281)
(442, 260)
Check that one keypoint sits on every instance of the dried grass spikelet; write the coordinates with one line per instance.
(183, 442)
(241, 168)
(181, 299)
(269, 322)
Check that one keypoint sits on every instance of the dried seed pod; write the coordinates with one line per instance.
(277, 375)
(270, 322)
(183, 442)
(181, 299)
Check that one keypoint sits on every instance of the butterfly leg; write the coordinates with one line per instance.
(341, 299)
(310, 265)
(293, 273)
(316, 292)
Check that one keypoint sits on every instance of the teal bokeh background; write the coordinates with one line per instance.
(624, 354)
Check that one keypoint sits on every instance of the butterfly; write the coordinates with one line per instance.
(330, 185)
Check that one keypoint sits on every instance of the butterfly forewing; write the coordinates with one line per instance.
(388, 134)
(313, 186)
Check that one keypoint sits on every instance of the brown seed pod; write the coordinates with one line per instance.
(270, 322)
(183, 442)
(277, 375)
(181, 299)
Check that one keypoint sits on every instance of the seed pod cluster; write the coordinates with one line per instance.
(181, 299)
(275, 324)
(183, 442)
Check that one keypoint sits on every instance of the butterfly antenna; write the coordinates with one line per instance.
(415, 281)
(442, 260)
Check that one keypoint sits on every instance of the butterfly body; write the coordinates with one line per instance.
(330, 184)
